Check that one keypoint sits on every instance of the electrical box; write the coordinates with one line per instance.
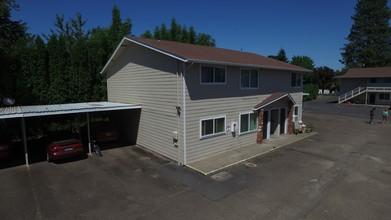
(175, 135)
(234, 127)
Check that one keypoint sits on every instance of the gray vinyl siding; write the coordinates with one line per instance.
(148, 78)
(229, 100)
(350, 84)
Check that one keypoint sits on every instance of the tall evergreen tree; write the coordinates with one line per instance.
(180, 34)
(369, 41)
(10, 32)
(281, 56)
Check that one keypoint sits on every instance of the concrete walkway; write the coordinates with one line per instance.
(220, 161)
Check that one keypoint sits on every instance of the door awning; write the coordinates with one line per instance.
(272, 99)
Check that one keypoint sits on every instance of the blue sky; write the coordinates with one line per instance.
(302, 27)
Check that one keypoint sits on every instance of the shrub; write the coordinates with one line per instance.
(312, 89)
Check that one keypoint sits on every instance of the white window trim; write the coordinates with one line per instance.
(301, 80)
(214, 134)
(294, 116)
(240, 80)
(213, 83)
(240, 122)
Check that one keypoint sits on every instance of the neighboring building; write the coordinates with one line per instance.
(198, 101)
(366, 86)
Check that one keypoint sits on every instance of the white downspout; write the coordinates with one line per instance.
(26, 155)
(89, 133)
(184, 112)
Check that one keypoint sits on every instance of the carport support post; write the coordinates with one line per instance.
(88, 133)
(26, 156)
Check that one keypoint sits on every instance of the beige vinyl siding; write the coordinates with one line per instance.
(148, 78)
(228, 100)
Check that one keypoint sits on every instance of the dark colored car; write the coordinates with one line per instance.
(63, 145)
(6, 146)
(102, 132)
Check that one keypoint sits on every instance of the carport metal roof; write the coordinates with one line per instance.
(44, 110)
(60, 109)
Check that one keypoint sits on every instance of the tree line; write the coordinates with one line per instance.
(64, 66)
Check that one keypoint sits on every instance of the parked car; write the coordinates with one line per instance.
(63, 144)
(6, 145)
(102, 132)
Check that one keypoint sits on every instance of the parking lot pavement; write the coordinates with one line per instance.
(342, 172)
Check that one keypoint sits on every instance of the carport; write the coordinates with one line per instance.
(23, 112)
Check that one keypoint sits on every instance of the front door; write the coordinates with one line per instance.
(274, 122)
(372, 98)
(282, 120)
(265, 124)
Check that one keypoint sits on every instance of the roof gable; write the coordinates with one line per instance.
(373, 72)
(204, 54)
(273, 98)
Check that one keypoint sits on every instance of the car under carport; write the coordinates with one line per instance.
(132, 113)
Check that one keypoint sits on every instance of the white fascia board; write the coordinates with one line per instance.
(275, 100)
(112, 56)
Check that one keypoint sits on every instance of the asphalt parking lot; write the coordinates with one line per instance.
(342, 172)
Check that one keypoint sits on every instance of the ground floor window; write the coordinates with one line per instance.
(383, 96)
(212, 126)
(296, 113)
(248, 122)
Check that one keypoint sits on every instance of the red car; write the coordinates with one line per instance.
(102, 132)
(63, 145)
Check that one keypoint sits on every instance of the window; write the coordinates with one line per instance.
(295, 80)
(212, 75)
(212, 126)
(384, 96)
(249, 79)
(248, 122)
(296, 113)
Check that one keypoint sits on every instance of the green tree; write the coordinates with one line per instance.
(191, 39)
(312, 90)
(175, 31)
(180, 34)
(205, 40)
(118, 29)
(369, 40)
(305, 62)
(281, 56)
(11, 32)
(324, 77)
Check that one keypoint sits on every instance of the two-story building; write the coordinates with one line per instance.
(366, 86)
(198, 101)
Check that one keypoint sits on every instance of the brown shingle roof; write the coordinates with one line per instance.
(273, 98)
(205, 54)
(367, 72)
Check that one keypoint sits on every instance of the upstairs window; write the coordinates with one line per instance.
(296, 80)
(213, 75)
(248, 79)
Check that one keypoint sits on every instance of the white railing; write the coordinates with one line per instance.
(360, 90)
(353, 93)
(379, 89)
